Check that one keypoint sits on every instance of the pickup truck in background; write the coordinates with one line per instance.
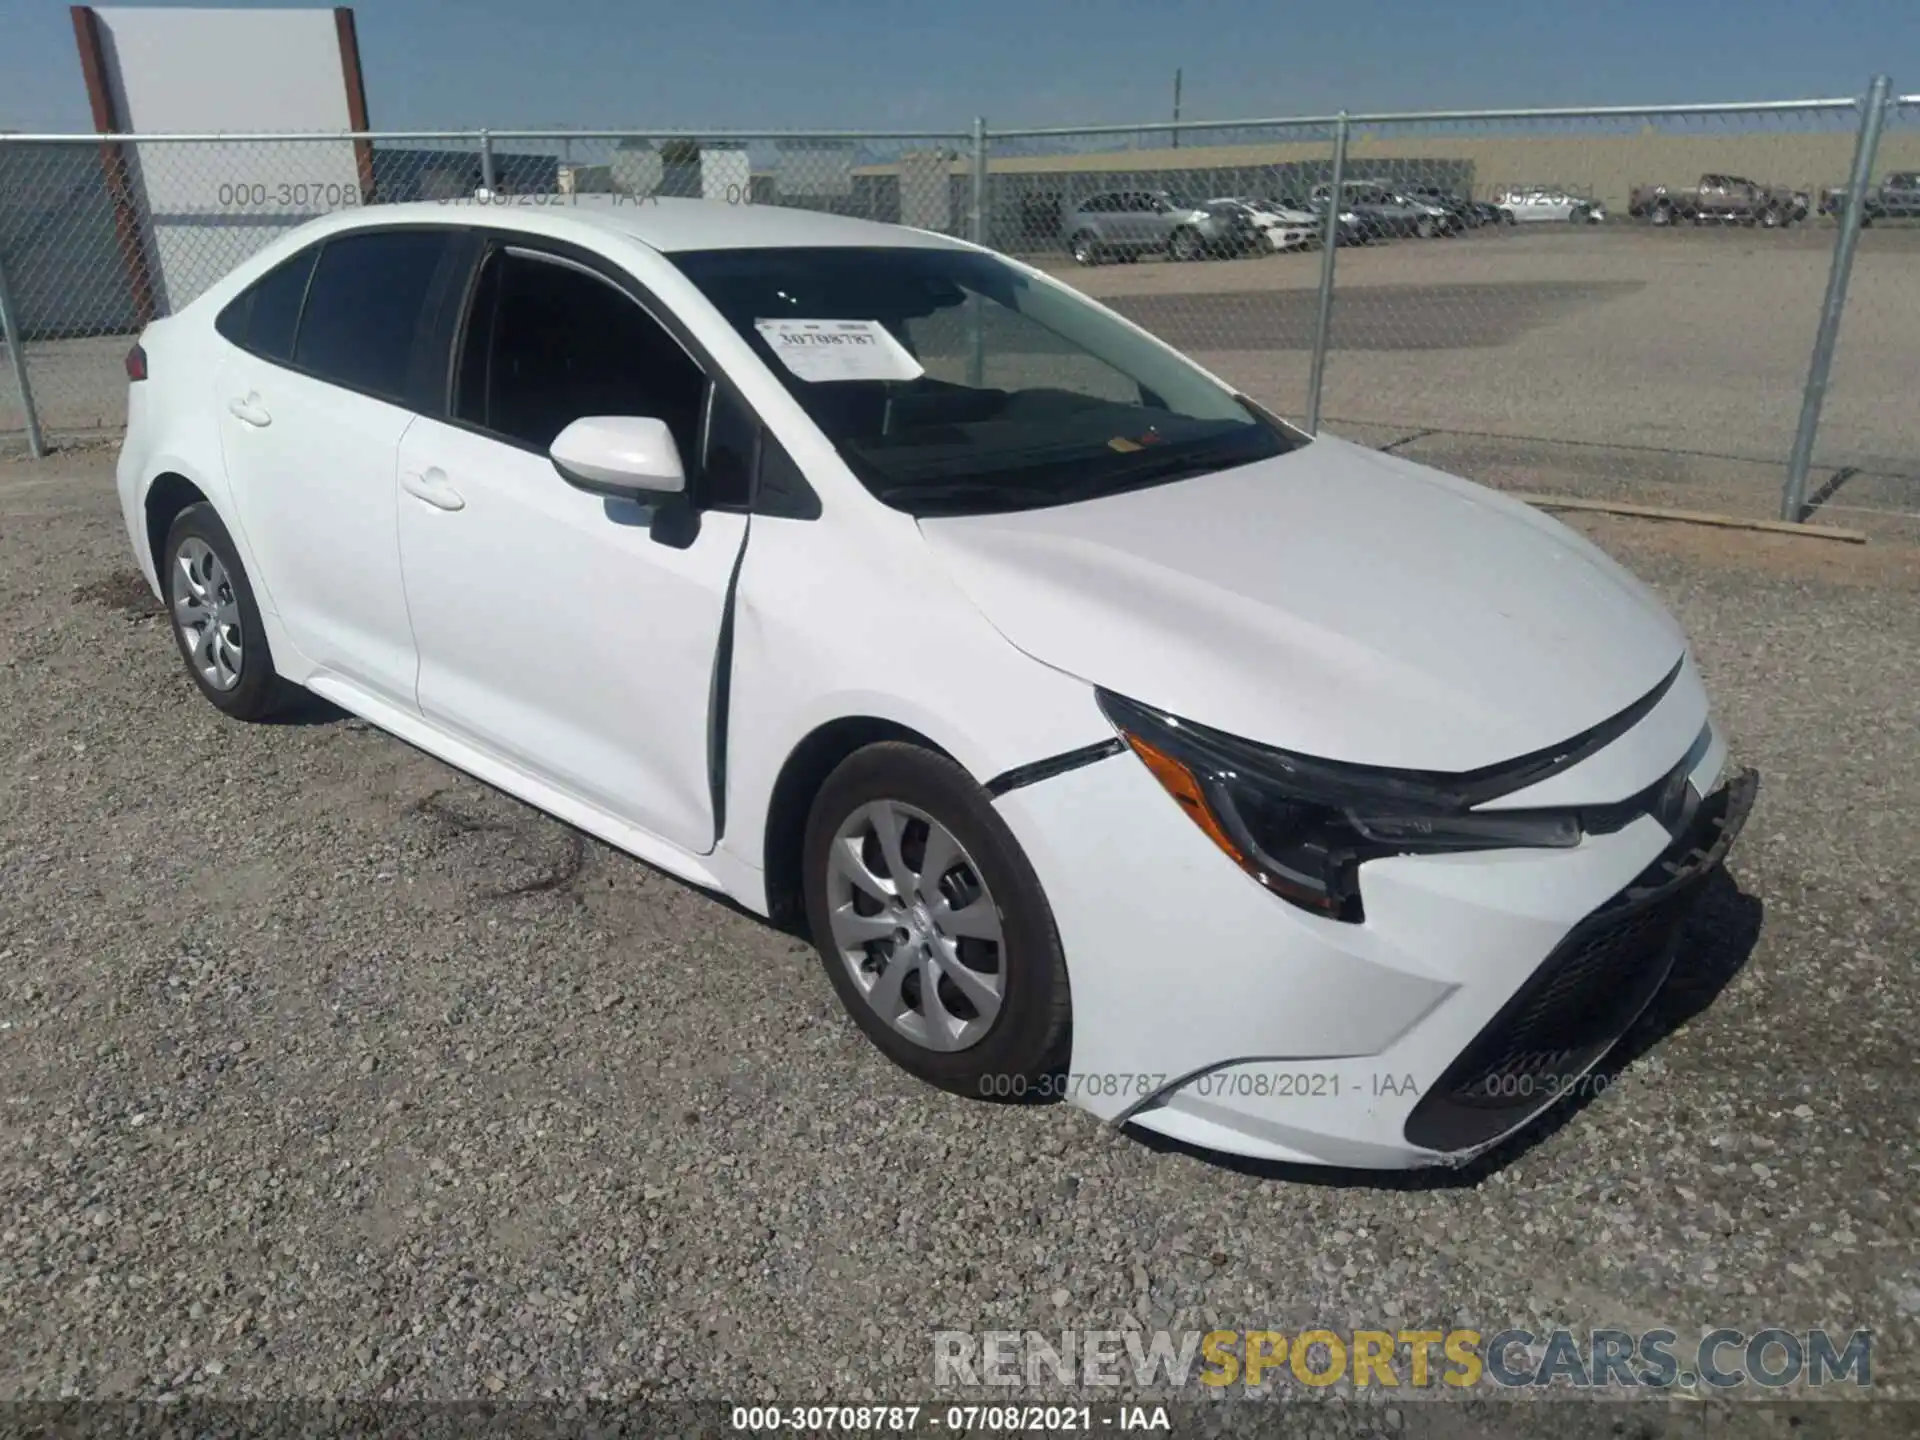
(1896, 198)
(1719, 199)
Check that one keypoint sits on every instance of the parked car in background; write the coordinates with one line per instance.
(1228, 230)
(1526, 204)
(1390, 212)
(1896, 198)
(1264, 229)
(1469, 215)
(1719, 199)
(1094, 723)
(1126, 224)
(1352, 228)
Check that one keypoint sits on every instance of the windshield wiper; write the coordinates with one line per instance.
(1145, 473)
(964, 490)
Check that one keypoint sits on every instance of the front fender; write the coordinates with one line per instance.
(815, 641)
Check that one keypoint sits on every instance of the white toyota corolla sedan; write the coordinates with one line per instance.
(1113, 739)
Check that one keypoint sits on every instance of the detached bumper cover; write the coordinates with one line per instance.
(1585, 994)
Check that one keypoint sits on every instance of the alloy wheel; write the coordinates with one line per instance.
(914, 923)
(206, 613)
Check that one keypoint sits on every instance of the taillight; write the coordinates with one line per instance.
(136, 363)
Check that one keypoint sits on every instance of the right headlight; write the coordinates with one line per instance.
(1303, 827)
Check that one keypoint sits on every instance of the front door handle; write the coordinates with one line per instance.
(250, 411)
(431, 485)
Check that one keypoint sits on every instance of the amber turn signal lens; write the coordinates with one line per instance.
(1181, 784)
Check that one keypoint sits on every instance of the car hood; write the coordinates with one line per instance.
(1333, 601)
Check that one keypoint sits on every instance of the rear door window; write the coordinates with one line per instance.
(366, 306)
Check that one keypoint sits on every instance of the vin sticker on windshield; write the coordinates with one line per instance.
(839, 350)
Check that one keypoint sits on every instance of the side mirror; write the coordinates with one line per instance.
(624, 457)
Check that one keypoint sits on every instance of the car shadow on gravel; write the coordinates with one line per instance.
(304, 709)
(1719, 938)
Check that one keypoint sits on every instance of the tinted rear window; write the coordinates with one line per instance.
(365, 307)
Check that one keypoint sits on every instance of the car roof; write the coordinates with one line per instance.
(665, 224)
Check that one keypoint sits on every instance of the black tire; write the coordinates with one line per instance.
(1085, 248)
(1185, 246)
(1028, 1039)
(260, 692)
(1424, 227)
(1770, 218)
(1662, 215)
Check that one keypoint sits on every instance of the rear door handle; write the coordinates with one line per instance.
(431, 485)
(250, 411)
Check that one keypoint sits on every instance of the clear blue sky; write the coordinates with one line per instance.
(840, 64)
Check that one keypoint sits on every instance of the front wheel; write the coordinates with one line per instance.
(1185, 245)
(1424, 227)
(1662, 215)
(932, 925)
(1770, 219)
(1085, 249)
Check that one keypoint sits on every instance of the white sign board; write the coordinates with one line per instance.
(191, 71)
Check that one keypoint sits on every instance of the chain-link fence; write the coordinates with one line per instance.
(99, 236)
(1862, 458)
(1613, 303)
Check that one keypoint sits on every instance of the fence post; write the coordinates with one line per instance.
(977, 232)
(486, 163)
(1793, 498)
(977, 204)
(1329, 247)
(10, 331)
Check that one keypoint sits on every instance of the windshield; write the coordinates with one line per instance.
(952, 383)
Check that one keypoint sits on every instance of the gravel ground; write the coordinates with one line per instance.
(330, 1072)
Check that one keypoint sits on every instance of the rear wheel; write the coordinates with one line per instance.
(932, 925)
(1770, 218)
(216, 622)
(1424, 227)
(1085, 248)
(1662, 215)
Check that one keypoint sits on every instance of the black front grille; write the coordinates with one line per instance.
(1583, 997)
